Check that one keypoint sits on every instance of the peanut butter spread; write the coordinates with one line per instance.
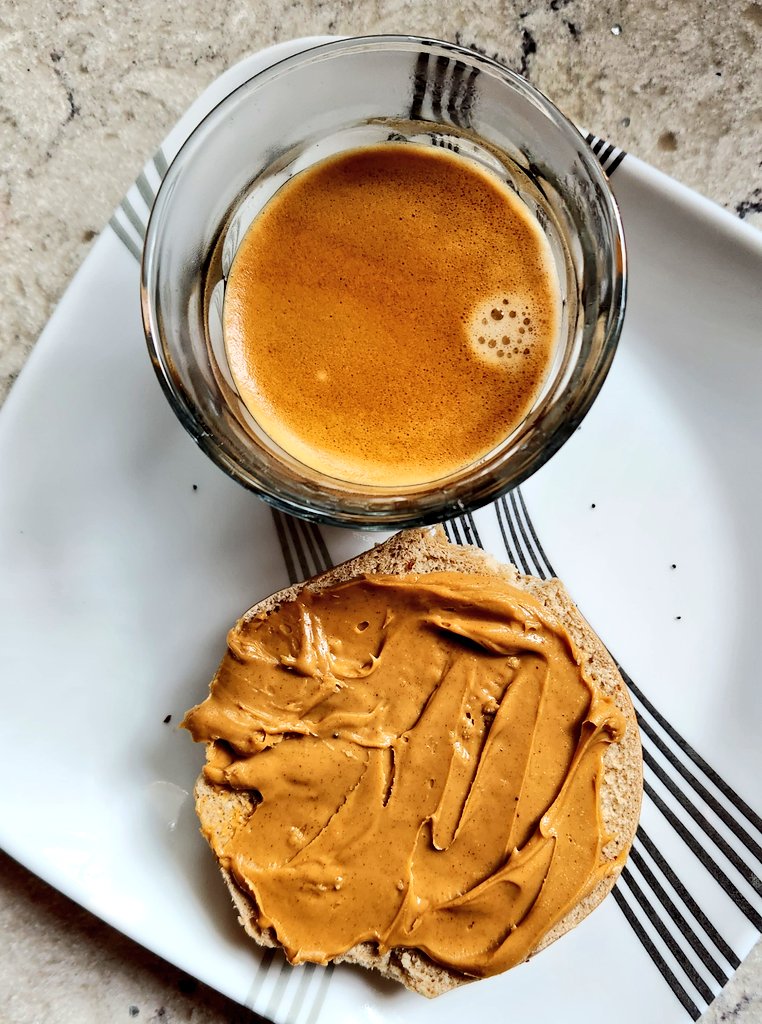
(425, 757)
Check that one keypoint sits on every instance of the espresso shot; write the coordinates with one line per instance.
(391, 314)
(380, 307)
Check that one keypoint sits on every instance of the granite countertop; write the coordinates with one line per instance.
(87, 91)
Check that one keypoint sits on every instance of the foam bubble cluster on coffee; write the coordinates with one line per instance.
(510, 332)
(391, 315)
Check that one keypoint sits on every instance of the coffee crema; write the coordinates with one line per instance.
(391, 315)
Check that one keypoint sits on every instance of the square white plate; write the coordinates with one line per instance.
(125, 555)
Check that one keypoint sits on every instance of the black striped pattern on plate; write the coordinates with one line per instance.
(130, 218)
(443, 88)
(295, 995)
(609, 155)
(304, 550)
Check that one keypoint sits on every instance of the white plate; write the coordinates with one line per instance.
(125, 555)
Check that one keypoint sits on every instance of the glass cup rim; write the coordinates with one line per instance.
(185, 408)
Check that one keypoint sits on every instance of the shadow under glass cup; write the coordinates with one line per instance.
(341, 96)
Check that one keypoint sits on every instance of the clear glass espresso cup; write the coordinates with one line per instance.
(341, 96)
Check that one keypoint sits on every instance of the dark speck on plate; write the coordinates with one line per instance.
(168, 719)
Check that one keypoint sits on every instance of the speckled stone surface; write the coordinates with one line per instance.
(87, 91)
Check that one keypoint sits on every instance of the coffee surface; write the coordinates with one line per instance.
(427, 757)
(391, 314)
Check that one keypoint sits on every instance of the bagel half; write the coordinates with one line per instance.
(222, 810)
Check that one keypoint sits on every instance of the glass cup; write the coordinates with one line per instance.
(339, 96)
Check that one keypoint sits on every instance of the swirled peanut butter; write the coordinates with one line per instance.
(426, 752)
